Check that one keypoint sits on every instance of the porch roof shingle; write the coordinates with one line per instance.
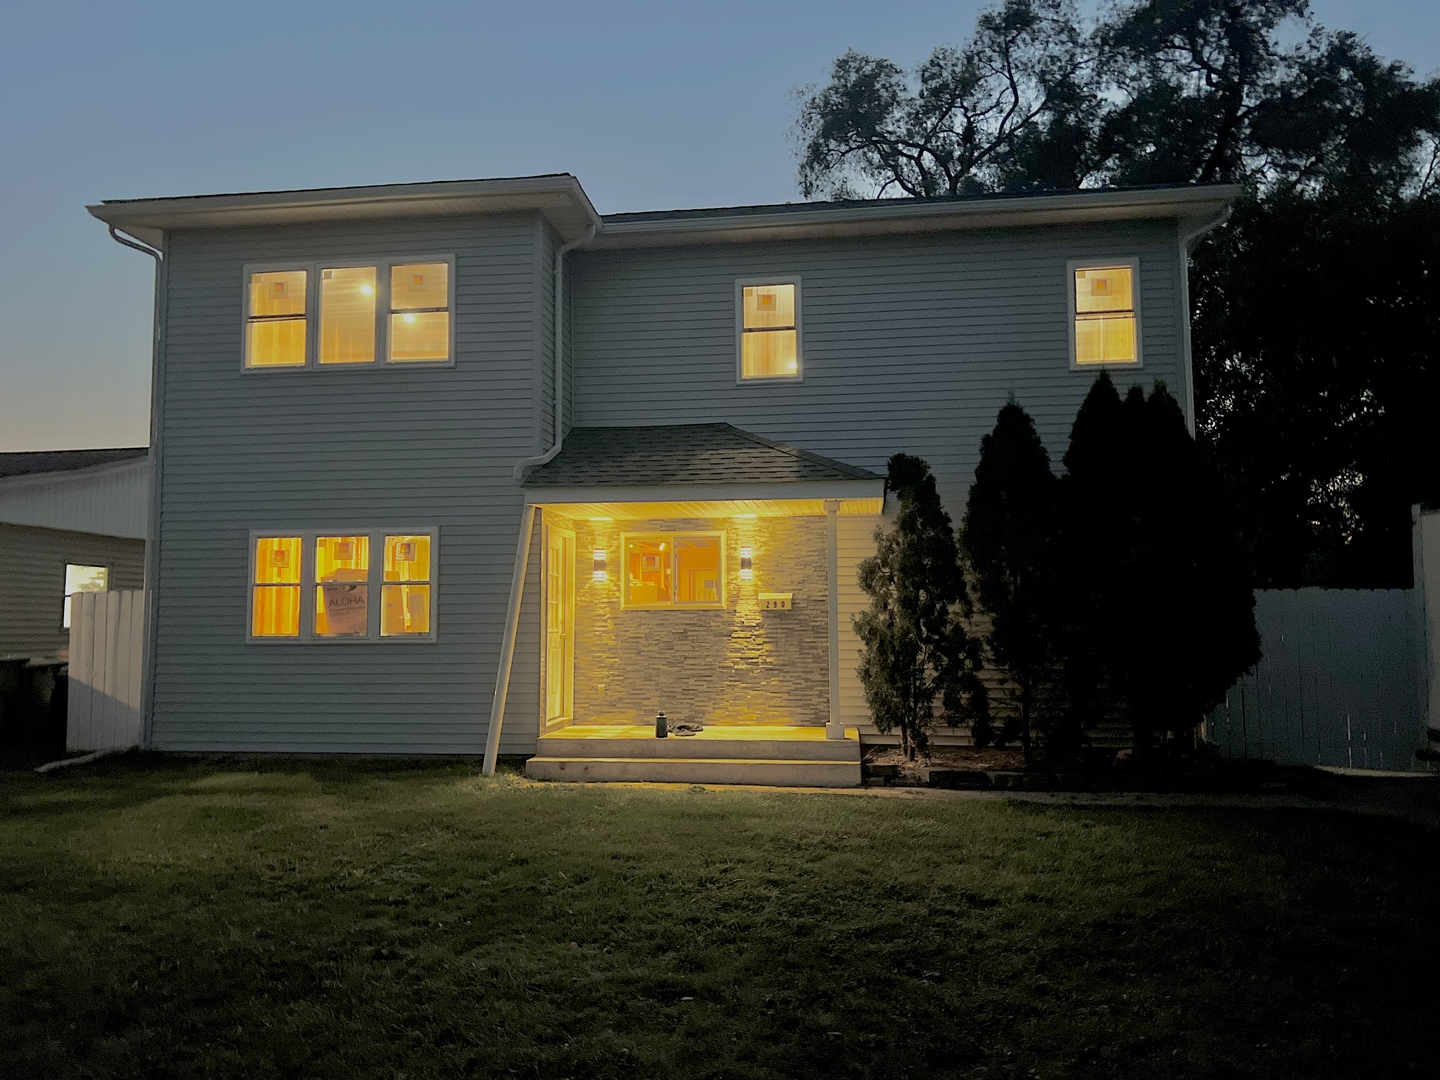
(683, 454)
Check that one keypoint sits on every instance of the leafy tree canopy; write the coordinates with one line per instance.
(1316, 310)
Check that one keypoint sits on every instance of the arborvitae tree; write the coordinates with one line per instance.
(918, 662)
(1008, 537)
(1159, 613)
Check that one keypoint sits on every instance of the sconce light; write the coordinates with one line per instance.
(598, 572)
(747, 564)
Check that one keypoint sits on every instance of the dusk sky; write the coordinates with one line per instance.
(652, 106)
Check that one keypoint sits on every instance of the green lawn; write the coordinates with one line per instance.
(299, 918)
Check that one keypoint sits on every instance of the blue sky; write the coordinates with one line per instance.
(651, 105)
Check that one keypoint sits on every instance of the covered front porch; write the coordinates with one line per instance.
(710, 593)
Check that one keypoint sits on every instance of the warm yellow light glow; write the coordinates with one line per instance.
(1105, 331)
(347, 315)
(342, 597)
(769, 338)
(275, 592)
(408, 318)
(601, 519)
(747, 517)
(275, 319)
(598, 571)
(679, 569)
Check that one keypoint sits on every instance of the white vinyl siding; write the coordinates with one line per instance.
(912, 343)
(383, 446)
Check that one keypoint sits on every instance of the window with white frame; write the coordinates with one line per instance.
(1104, 313)
(674, 570)
(81, 579)
(768, 318)
(385, 311)
(345, 572)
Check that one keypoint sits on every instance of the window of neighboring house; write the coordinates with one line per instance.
(1105, 314)
(416, 299)
(678, 570)
(80, 579)
(345, 577)
(769, 318)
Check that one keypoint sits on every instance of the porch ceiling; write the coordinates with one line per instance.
(708, 508)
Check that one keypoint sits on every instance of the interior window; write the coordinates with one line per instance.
(405, 594)
(342, 592)
(275, 591)
(347, 315)
(419, 313)
(769, 332)
(675, 570)
(275, 319)
(1105, 316)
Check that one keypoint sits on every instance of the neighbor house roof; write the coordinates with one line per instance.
(695, 454)
(31, 462)
(563, 202)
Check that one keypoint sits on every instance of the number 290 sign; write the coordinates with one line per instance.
(775, 601)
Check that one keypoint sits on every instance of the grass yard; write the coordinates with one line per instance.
(315, 919)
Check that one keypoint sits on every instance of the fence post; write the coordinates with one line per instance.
(1425, 546)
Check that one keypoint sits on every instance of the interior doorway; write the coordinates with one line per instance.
(559, 627)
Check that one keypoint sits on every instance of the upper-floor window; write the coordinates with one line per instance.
(1104, 313)
(345, 574)
(681, 570)
(395, 311)
(768, 313)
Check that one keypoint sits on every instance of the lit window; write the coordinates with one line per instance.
(344, 579)
(275, 319)
(342, 590)
(675, 570)
(405, 595)
(82, 579)
(275, 589)
(347, 315)
(1105, 323)
(769, 331)
(419, 313)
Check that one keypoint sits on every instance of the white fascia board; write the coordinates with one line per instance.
(559, 198)
(906, 216)
(838, 489)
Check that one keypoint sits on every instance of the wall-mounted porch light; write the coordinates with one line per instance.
(747, 564)
(598, 573)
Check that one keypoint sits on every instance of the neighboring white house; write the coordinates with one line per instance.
(430, 457)
(70, 521)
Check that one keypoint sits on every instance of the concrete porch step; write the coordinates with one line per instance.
(769, 772)
(700, 746)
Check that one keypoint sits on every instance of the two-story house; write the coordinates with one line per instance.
(467, 467)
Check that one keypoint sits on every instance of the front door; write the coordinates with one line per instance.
(559, 627)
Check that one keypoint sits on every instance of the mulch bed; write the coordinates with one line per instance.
(888, 762)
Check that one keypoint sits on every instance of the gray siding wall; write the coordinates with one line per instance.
(545, 337)
(32, 583)
(336, 449)
(910, 343)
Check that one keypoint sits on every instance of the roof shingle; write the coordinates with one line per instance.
(54, 461)
(683, 454)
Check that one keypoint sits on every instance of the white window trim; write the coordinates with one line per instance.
(313, 267)
(672, 536)
(1133, 262)
(375, 582)
(64, 567)
(741, 284)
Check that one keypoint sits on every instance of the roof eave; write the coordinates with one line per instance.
(540, 495)
(560, 199)
(810, 222)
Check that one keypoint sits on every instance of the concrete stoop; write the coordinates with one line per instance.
(779, 758)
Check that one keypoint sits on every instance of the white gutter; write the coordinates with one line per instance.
(1187, 245)
(526, 464)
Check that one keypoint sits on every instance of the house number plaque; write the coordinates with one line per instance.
(775, 601)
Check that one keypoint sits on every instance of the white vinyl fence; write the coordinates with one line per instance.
(107, 635)
(1342, 682)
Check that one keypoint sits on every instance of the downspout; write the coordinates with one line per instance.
(527, 519)
(526, 464)
(152, 529)
(1187, 245)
